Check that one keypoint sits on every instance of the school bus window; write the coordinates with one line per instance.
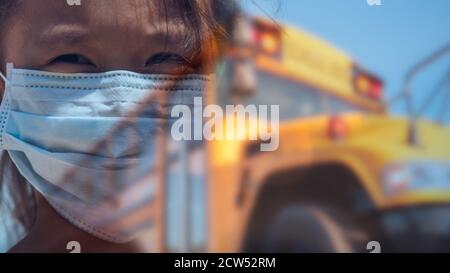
(339, 106)
(295, 100)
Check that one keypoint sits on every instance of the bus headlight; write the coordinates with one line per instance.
(412, 176)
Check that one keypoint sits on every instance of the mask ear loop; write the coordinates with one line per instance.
(5, 103)
(9, 68)
(4, 78)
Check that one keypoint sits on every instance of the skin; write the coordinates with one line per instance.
(51, 233)
(98, 36)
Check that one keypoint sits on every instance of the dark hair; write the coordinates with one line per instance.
(208, 23)
(207, 20)
(6, 6)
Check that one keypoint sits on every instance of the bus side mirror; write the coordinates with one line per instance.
(243, 78)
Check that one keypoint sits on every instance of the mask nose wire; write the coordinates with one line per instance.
(4, 78)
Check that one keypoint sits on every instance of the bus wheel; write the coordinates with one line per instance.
(313, 229)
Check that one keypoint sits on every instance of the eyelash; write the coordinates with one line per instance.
(167, 57)
(156, 59)
(72, 58)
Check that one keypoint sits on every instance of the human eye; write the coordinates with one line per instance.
(70, 63)
(168, 62)
(73, 58)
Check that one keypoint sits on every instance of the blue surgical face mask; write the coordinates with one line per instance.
(88, 142)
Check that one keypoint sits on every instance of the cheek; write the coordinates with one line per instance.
(9, 46)
(16, 47)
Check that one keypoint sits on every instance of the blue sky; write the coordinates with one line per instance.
(386, 39)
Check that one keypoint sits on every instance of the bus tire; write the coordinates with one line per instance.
(313, 229)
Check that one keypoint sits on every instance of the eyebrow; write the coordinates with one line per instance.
(70, 34)
(63, 35)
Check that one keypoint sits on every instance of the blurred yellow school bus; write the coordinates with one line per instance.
(345, 173)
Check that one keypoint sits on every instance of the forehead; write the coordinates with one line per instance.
(117, 20)
(99, 12)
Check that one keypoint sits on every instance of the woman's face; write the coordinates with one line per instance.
(97, 36)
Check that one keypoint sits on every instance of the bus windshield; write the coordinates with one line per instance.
(296, 100)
